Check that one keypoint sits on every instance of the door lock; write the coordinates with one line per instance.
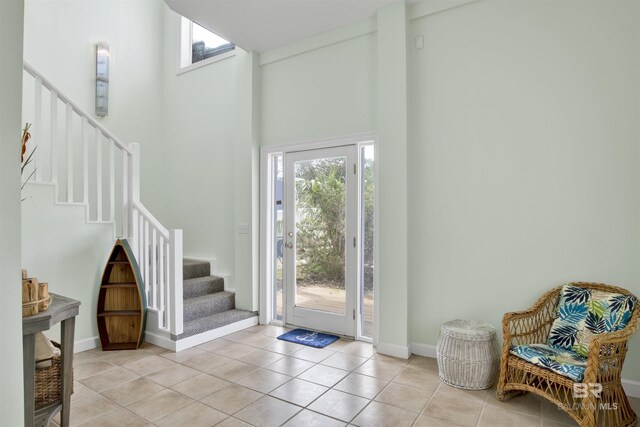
(289, 245)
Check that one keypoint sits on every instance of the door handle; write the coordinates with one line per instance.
(289, 245)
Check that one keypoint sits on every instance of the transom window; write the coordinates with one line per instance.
(200, 46)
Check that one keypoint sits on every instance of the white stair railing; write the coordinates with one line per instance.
(89, 166)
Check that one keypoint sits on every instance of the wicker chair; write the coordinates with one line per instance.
(606, 354)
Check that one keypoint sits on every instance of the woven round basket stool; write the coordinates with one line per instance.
(468, 354)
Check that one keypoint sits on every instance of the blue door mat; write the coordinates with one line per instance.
(310, 338)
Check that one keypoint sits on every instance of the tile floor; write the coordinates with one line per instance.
(250, 378)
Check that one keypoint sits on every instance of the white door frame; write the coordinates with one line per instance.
(266, 220)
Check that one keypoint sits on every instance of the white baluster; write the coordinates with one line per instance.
(54, 137)
(112, 181)
(154, 266)
(134, 197)
(85, 161)
(169, 324)
(168, 302)
(135, 233)
(147, 262)
(69, 119)
(161, 266)
(133, 193)
(141, 247)
(125, 195)
(37, 123)
(99, 174)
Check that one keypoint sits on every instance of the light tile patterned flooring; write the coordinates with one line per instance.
(251, 378)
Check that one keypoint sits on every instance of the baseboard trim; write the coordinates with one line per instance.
(150, 337)
(160, 340)
(195, 340)
(395, 350)
(426, 350)
(631, 387)
(86, 344)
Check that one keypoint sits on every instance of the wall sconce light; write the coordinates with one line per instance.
(102, 79)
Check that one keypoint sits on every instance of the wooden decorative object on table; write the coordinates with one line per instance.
(43, 296)
(35, 296)
(122, 305)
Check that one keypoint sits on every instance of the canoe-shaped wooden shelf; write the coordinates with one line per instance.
(122, 306)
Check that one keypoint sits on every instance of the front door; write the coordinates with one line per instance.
(320, 238)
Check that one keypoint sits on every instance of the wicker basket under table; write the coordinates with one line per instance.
(48, 383)
(467, 354)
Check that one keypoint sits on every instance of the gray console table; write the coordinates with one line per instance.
(64, 311)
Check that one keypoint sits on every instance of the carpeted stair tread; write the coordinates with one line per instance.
(192, 268)
(200, 286)
(218, 320)
(207, 305)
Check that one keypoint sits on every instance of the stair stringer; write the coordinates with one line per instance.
(163, 339)
(56, 202)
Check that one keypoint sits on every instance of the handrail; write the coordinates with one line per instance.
(152, 219)
(46, 83)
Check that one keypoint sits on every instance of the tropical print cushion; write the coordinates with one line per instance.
(560, 361)
(584, 312)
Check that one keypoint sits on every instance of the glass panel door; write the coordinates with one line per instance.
(320, 240)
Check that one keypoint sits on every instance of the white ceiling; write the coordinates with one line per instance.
(262, 25)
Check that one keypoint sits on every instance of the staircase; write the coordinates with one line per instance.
(89, 166)
(207, 306)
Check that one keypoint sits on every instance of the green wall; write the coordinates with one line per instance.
(320, 92)
(195, 178)
(524, 148)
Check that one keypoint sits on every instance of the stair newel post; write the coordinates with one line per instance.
(175, 281)
(133, 195)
